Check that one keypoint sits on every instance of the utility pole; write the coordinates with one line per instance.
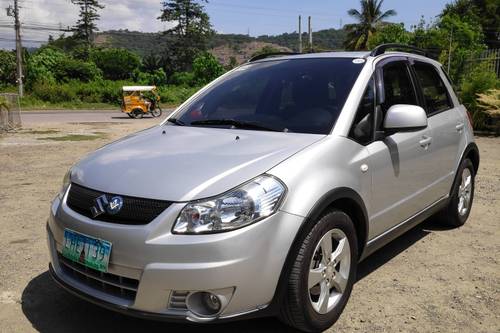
(19, 47)
(310, 35)
(87, 28)
(300, 34)
(449, 50)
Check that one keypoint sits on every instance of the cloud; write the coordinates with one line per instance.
(118, 14)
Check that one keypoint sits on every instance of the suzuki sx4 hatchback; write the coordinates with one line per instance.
(261, 193)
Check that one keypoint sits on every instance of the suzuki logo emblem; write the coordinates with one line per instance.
(103, 205)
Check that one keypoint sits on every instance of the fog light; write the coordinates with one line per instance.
(211, 301)
(203, 303)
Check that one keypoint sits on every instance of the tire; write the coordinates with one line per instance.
(130, 115)
(156, 112)
(137, 113)
(302, 307)
(461, 197)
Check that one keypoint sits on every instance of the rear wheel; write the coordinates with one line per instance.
(462, 195)
(156, 112)
(322, 275)
(137, 113)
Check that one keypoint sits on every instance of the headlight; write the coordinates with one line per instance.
(240, 207)
(65, 184)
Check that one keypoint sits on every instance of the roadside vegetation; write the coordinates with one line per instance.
(86, 68)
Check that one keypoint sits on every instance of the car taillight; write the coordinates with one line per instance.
(469, 116)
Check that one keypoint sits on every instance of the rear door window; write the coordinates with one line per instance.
(434, 91)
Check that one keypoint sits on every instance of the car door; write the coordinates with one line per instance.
(443, 118)
(399, 161)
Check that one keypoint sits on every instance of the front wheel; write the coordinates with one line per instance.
(322, 275)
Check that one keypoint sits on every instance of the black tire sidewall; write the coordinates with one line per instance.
(332, 220)
(137, 113)
(454, 217)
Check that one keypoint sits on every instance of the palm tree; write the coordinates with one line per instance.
(369, 19)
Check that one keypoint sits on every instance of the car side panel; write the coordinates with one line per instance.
(332, 163)
(444, 152)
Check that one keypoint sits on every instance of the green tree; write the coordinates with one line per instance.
(466, 42)
(485, 13)
(7, 67)
(233, 62)
(40, 66)
(115, 64)
(151, 62)
(188, 37)
(266, 50)
(390, 33)
(370, 18)
(86, 26)
(206, 68)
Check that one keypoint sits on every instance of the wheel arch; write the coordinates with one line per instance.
(472, 153)
(351, 203)
(344, 199)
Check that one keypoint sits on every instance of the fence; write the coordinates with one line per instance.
(491, 58)
(10, 112)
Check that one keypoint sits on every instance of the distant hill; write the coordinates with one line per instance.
(223, 46)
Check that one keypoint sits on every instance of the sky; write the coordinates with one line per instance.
(257, 17)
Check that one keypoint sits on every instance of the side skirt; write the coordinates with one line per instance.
(396, 231)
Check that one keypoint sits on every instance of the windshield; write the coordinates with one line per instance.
(299, 95)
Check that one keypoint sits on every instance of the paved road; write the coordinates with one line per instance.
(79, 116)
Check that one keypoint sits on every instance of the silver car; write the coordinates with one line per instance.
(261, 193)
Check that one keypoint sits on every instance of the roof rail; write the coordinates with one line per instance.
(268, 55)
(381, 49)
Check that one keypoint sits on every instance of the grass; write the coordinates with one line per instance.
(29, 103)
(38, 132)
(75, 137)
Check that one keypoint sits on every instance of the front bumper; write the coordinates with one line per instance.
(244, 265)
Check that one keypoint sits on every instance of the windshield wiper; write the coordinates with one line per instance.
(176, 121)
(236, 124)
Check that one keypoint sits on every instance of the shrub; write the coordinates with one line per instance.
(478, 80)
(206, 68)
(115, 64)
(182, 78)
(74, 69)
(176, 94)
(41, 65)
(54, 93)
(156, 77)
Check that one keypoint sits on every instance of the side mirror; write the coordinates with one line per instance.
(405, 118)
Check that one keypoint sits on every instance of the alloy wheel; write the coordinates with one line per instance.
(329, 271)
(464, 192)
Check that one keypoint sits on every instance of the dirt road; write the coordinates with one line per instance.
(432, 279)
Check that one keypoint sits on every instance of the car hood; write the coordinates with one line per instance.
(181, 163)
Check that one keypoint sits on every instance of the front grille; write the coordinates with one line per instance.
(178, 300)
(108, 283)
(134, 211)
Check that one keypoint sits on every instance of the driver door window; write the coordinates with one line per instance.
(398, 87)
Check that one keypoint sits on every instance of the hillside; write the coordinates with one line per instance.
(223, 46)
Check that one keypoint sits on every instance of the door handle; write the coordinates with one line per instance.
(459, 127)
(426, 141)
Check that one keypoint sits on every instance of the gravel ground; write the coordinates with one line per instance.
(431, 279)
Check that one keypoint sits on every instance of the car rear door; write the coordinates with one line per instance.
(447, 128)
(399, 162)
